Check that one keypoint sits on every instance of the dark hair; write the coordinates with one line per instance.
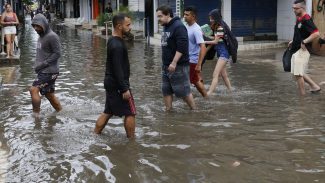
(216, 15)
(191, 9)
(300, 1)
(166, 10)
(119, 18)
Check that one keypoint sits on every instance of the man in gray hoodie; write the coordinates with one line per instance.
(46, 64)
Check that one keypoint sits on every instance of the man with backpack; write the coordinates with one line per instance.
(305, 32)
(225, 44)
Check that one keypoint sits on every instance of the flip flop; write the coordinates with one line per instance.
(315, 91)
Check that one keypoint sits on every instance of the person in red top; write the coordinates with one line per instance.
(9, 21)
(305, 32)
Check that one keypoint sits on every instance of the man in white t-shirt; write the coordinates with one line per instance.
(197, 48)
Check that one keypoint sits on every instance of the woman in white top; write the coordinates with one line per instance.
(9, 21)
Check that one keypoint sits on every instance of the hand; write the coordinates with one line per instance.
(172, 67)
(126, 95)
(290, 43)
(198, 68)
(303, 47)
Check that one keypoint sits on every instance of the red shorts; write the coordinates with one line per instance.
(195, 76)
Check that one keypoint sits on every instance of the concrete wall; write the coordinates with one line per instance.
(285, 20)
(136, 5)
(226, 11)
(85, 11)
(69, 8)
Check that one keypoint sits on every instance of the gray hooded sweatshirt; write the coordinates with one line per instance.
(48, 48)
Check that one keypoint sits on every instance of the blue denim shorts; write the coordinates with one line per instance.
(222, 51)
(177, 82)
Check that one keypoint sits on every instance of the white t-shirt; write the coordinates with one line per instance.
(195, 38)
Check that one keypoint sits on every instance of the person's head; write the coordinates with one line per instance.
(164, 14)
(299, 7)
(190, 14)
(215, 17)
(122, 23)
(8, 7)
(109, 4)
(38, 29)
(40, 24)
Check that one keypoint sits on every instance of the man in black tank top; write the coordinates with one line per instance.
(119, 100)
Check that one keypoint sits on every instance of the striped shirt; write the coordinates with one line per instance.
(220, 33)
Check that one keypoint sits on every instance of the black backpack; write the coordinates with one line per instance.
(231, 41)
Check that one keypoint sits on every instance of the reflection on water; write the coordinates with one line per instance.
(262, 132)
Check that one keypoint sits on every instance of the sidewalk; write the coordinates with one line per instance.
(242, 46)
(155, 40)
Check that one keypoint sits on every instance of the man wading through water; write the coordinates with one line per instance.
(175, 59)
(46, 65)
(119, 100)
(197, 49)
(305, 32)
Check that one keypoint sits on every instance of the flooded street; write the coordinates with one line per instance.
(262, 132)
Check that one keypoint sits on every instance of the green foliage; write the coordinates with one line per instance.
(104, 17)
(125, 9)
(28, 2)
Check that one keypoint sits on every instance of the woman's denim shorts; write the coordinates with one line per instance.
(222, 51)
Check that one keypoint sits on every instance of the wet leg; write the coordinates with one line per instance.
(226, 78)
(190, 101)
(54, 101)
(129, 126)
(301, 85)
(168, 99)
(220, 65)
(101, 122)
(36, 99)
(312, 84)
(200, 87)
(8, 46)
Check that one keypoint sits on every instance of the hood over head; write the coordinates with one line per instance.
(216, 15)
(41, 20)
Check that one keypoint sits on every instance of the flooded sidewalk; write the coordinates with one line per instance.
(262, 132)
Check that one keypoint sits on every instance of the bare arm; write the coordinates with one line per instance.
(176, 58)
(309, 39)
(214, 42)
(17, 21)
(202, 53)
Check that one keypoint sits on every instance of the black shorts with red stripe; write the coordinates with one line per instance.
(117, 106)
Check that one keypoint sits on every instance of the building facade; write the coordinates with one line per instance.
(249, 19)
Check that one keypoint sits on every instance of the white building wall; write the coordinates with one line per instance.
(136, 5)
(85, 11)
(226, 11)
(285, 20)
(69, 8)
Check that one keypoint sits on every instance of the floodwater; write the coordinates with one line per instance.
(262, 132)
